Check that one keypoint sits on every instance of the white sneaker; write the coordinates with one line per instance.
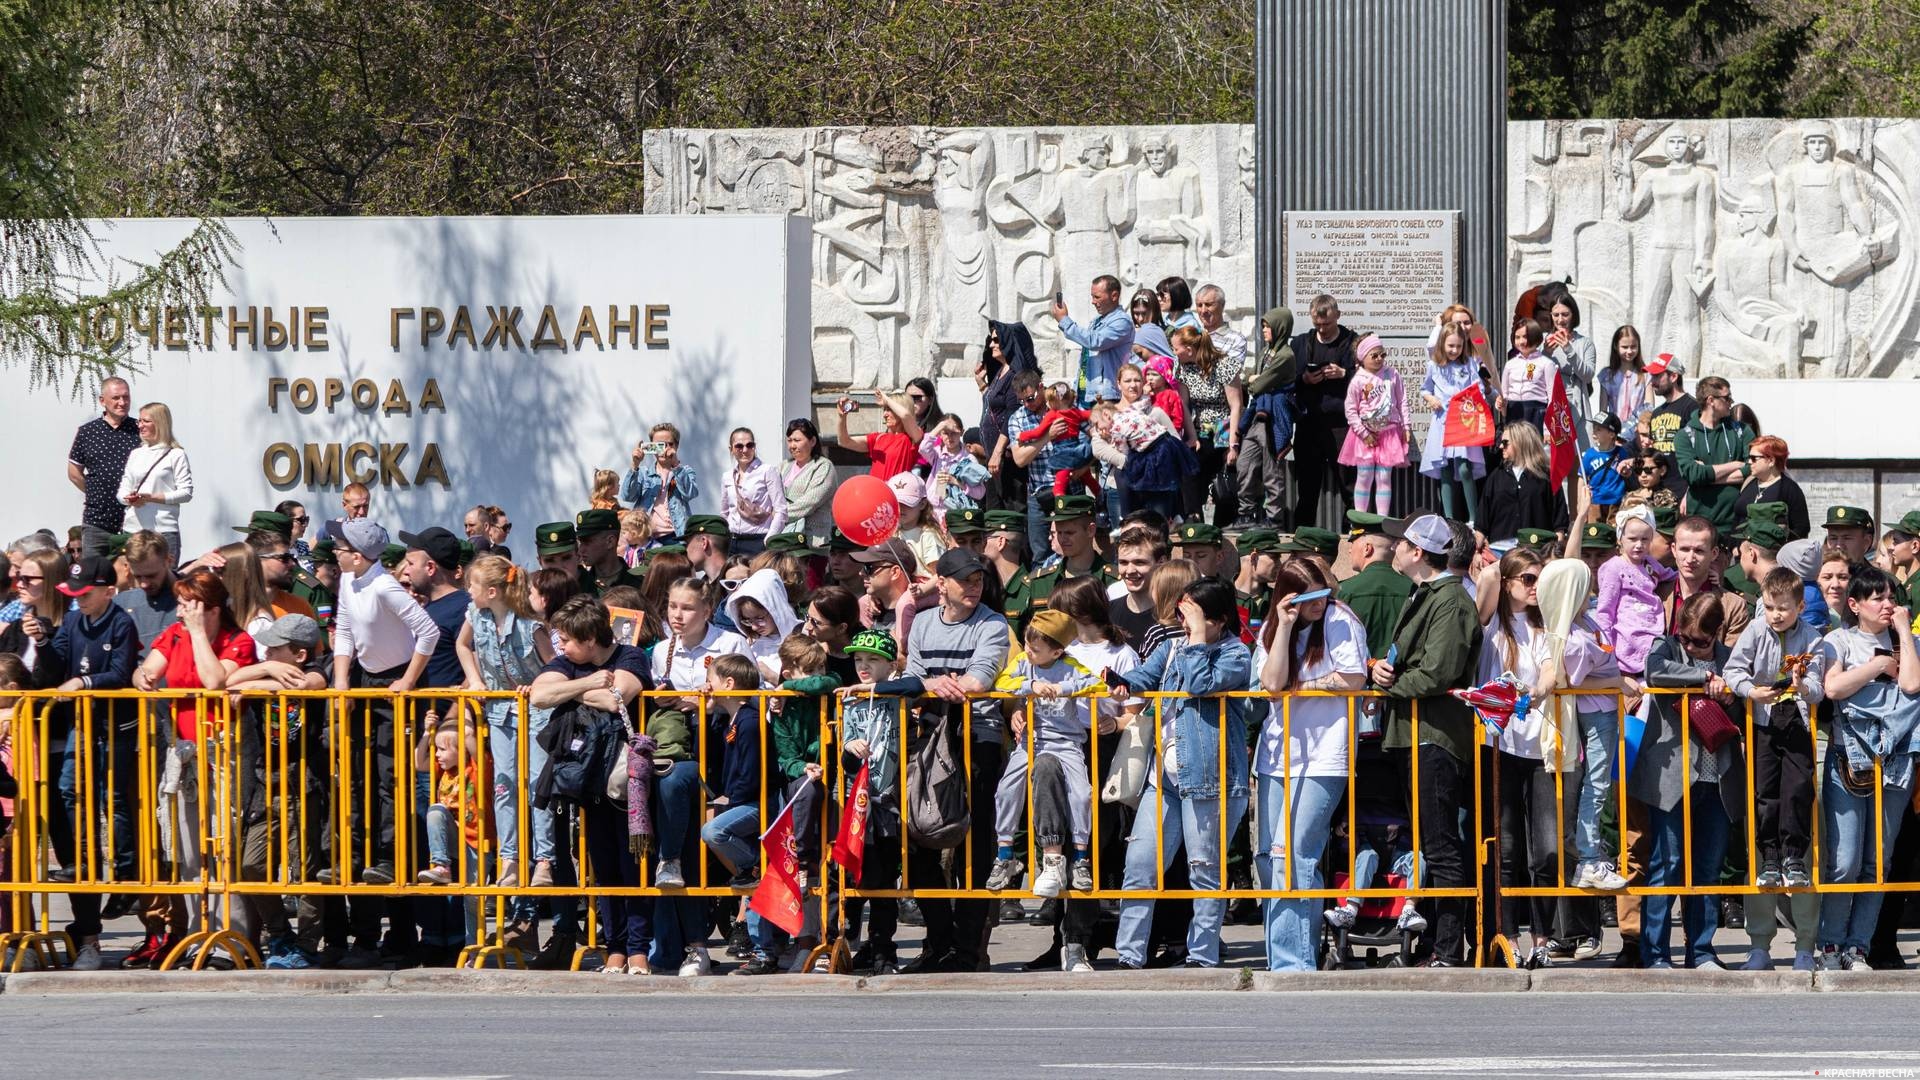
(1341, 916)
(1709, 965)
(669, 876)
(1411, 921)
(696, 963)
(1073, 959)
(88, 958)
(1598, 874)
(1052, 876)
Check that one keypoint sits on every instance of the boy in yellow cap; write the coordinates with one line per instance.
(1062, 723)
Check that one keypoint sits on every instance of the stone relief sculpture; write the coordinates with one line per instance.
(922, 234)
(1750, 248)
(1680, 194)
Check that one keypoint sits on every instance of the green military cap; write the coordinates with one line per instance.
(966, 521)
(789, 544)
(467, 553)
(267, 521)
(1363, 523)
(709, 525)
(1326, 542)
(594, 522)
(1761, 533)
(1598, 536)
(1071, 508)
(1006, 521)
(322, 553)
(839, 543)
(1848, 517)
(1531, 537)
(1665, 520)
(672, 549)
(1196, 532)
(392, 554)
(1909, 523)
(117, 544)
(1775, 512)
(1263, 541)
(555, 538)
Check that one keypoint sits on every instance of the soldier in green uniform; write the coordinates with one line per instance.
(1542, 542)
(841, 569)
(306, 585)
(1253, 585)
(558, 550)
(708, 539)
(1322, 542)
(392, 556)
(597, 540)
(1072, 522)
(1377, 593)
(326, 567)
(1766, 529)
(968, 528)
(1205, 547)
(1850, 529)
(1903, 555)
(1597, 544)
(1005, 550)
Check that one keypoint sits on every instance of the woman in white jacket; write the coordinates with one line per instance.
(157, 477)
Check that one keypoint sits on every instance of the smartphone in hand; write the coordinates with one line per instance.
(1115, 681)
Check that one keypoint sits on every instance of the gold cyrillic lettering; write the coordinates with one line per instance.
(462, 327)
(431, 467)
(275, 387)
(250, 328)
(430, 397)
(390, 474)
(547, 334)
(657, 321)
(174, 328)
(323, 464)
(150, 327)
(365, 395)
(505, 324)
(397, 400)
(304, 397)
(587, 326)
(314, 329)
(356, 452)
(281, 464)
(394, 315)
(615, 324)
(272, 334)
(335, 391)
(432, 321)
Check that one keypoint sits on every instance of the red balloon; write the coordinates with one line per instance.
(866, 510)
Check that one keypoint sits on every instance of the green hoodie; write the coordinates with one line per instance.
(796, 727)
(1697, 448)
(1274, 369)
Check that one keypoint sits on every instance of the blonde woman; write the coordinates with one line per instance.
(1517, 493)
(157, 477)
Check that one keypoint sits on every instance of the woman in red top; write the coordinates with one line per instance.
(894, 450)
(198, 652)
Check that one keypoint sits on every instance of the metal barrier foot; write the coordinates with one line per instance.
(580, 954)
(476, 956)
(1500, 946)
(239, 950)
(43, 947)
(839, 959)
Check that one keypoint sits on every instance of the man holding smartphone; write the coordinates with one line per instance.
(1105, 345)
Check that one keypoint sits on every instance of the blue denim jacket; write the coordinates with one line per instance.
(642, 489)
(1180, 668)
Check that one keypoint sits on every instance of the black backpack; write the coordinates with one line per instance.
(581, 745)
(937, 812)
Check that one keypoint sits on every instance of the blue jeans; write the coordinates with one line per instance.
(734, 835)
(678, 921)
(1039, 536)
(1600, 734)
(509, 787)
(1293, 926)
(443, 842)
(1197, 823)
(1699, 915)
(1846, 854)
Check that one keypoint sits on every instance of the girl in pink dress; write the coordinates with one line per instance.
(1376, 426)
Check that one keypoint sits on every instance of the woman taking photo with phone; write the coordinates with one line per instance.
(1308, 642)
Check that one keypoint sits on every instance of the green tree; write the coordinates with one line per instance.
(53, 277)
(1619, 58)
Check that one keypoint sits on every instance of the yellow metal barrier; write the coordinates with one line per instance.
(280, 795)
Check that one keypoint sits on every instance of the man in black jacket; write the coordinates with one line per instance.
(1325, 358)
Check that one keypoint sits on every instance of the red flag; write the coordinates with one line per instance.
(777, 898)
(850, 847)
(1469, 419)
(1563, 451)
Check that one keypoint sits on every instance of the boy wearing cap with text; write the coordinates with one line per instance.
(95, 648)
(870, 735)
(1603, 467)
(1437, 640)
(1062, 723)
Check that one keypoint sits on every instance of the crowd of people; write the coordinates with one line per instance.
(1670, 597)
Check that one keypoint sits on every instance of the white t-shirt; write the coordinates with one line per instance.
(1850, 646)
(689, 670)
(1523, 733)
(1116, 590)
(1096, 655)
(1316, 732)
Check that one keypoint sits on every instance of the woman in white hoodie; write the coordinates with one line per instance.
(759, 609)
(157, 477)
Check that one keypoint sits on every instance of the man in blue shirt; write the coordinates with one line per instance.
(1037, 457)
(1105, 345)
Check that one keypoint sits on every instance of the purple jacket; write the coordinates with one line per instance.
(1629, 609)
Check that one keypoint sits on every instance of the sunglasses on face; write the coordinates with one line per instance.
(1696, 643)
(285, 556)
(1758, 457)
(916, 397)
(1646, 469)
(301, 520)
(743, 446)
(27, 578)
(1529, 579)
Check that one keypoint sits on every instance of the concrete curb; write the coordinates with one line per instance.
(1445, 980)
(497, 981)
(1185, 979)
(1866, 981)
(47, 983)
(1670, 981)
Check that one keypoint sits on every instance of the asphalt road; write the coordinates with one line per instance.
(1028, 1036)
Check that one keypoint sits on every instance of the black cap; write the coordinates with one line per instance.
(86, 572)
(958, 563)
(440, 545)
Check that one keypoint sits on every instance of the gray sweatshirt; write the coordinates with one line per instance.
(1754, 664)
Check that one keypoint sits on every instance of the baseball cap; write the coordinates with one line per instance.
(363, 535)
(289, 629)
(1606, 420)
(891, 551)
(959, 563)
(1428, 532)
(1664, 363)
(908, 488)
(86, 572)
(874, 643)
(440, 545)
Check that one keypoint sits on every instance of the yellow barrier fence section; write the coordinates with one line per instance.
(217, 811)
